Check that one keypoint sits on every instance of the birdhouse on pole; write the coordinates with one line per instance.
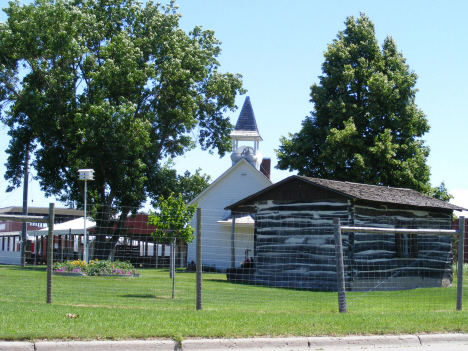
(85, 175)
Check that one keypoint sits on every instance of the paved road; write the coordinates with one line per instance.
(439, 342)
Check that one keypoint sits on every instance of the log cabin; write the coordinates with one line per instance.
(294, 243)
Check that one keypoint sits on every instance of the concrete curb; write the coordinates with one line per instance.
(250, 344)
(16, 346)
(246, 344)
(323, 343)
(432, 339)
(299, 344)
(126, 345)
(365, 341)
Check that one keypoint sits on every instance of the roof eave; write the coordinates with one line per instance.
(446, 206)
(217, 180)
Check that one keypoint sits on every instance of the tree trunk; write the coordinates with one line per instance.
(102, 246)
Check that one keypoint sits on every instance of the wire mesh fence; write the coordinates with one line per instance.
(259, 262)
(296, 254)
(412, 268)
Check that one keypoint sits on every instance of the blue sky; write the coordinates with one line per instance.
(278, 47)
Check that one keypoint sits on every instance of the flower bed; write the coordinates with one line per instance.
(96, 268)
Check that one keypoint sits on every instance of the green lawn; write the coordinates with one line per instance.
(122, 308)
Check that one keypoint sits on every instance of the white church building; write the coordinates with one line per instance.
(249, 173)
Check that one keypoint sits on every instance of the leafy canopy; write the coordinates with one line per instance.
(441, 192)
(173, 218)
(366, 126)
(112, 85)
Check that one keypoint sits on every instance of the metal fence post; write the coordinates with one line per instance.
(339, 266)
(461, 242)
(233, 247)
(173, 264)
(24, 225)
(50, 251)
(199, 259)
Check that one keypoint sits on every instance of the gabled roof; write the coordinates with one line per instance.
(225, 174)
(366, 192)
(246, 124)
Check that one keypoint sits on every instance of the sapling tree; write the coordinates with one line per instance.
(172, 222)
(172, 218)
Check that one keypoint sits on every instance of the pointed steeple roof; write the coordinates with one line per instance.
(246, 125)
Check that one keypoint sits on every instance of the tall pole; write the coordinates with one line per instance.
(85, 234)
(85, 175)
(24, 236)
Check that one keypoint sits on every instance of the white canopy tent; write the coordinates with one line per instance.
(241, 221)
(9, 248)
(73, 227)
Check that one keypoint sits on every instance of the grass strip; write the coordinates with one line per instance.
(96, 308)
(28, 321)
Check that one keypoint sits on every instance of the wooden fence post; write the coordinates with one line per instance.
(340, 279)
(461, 241)
(233, 247)
(173, 264)
(199, 259)
(50, 251)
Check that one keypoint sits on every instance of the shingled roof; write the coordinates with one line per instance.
(379, 193)
(246, 124)
(366, 192)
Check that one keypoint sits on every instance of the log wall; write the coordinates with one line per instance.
(295, 248)
(294, 244)
(380, 261)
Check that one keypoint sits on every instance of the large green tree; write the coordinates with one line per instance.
(112, 85)
(365, 126)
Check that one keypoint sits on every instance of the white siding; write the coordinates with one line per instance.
(240, 181)
(10, 257)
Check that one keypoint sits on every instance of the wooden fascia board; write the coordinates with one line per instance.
(258, 193)
(280, 183)
(395, 206)
(247, 202)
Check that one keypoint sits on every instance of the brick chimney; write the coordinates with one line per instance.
(265, 167)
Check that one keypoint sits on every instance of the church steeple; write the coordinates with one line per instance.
(246, 125)
(246, 130)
